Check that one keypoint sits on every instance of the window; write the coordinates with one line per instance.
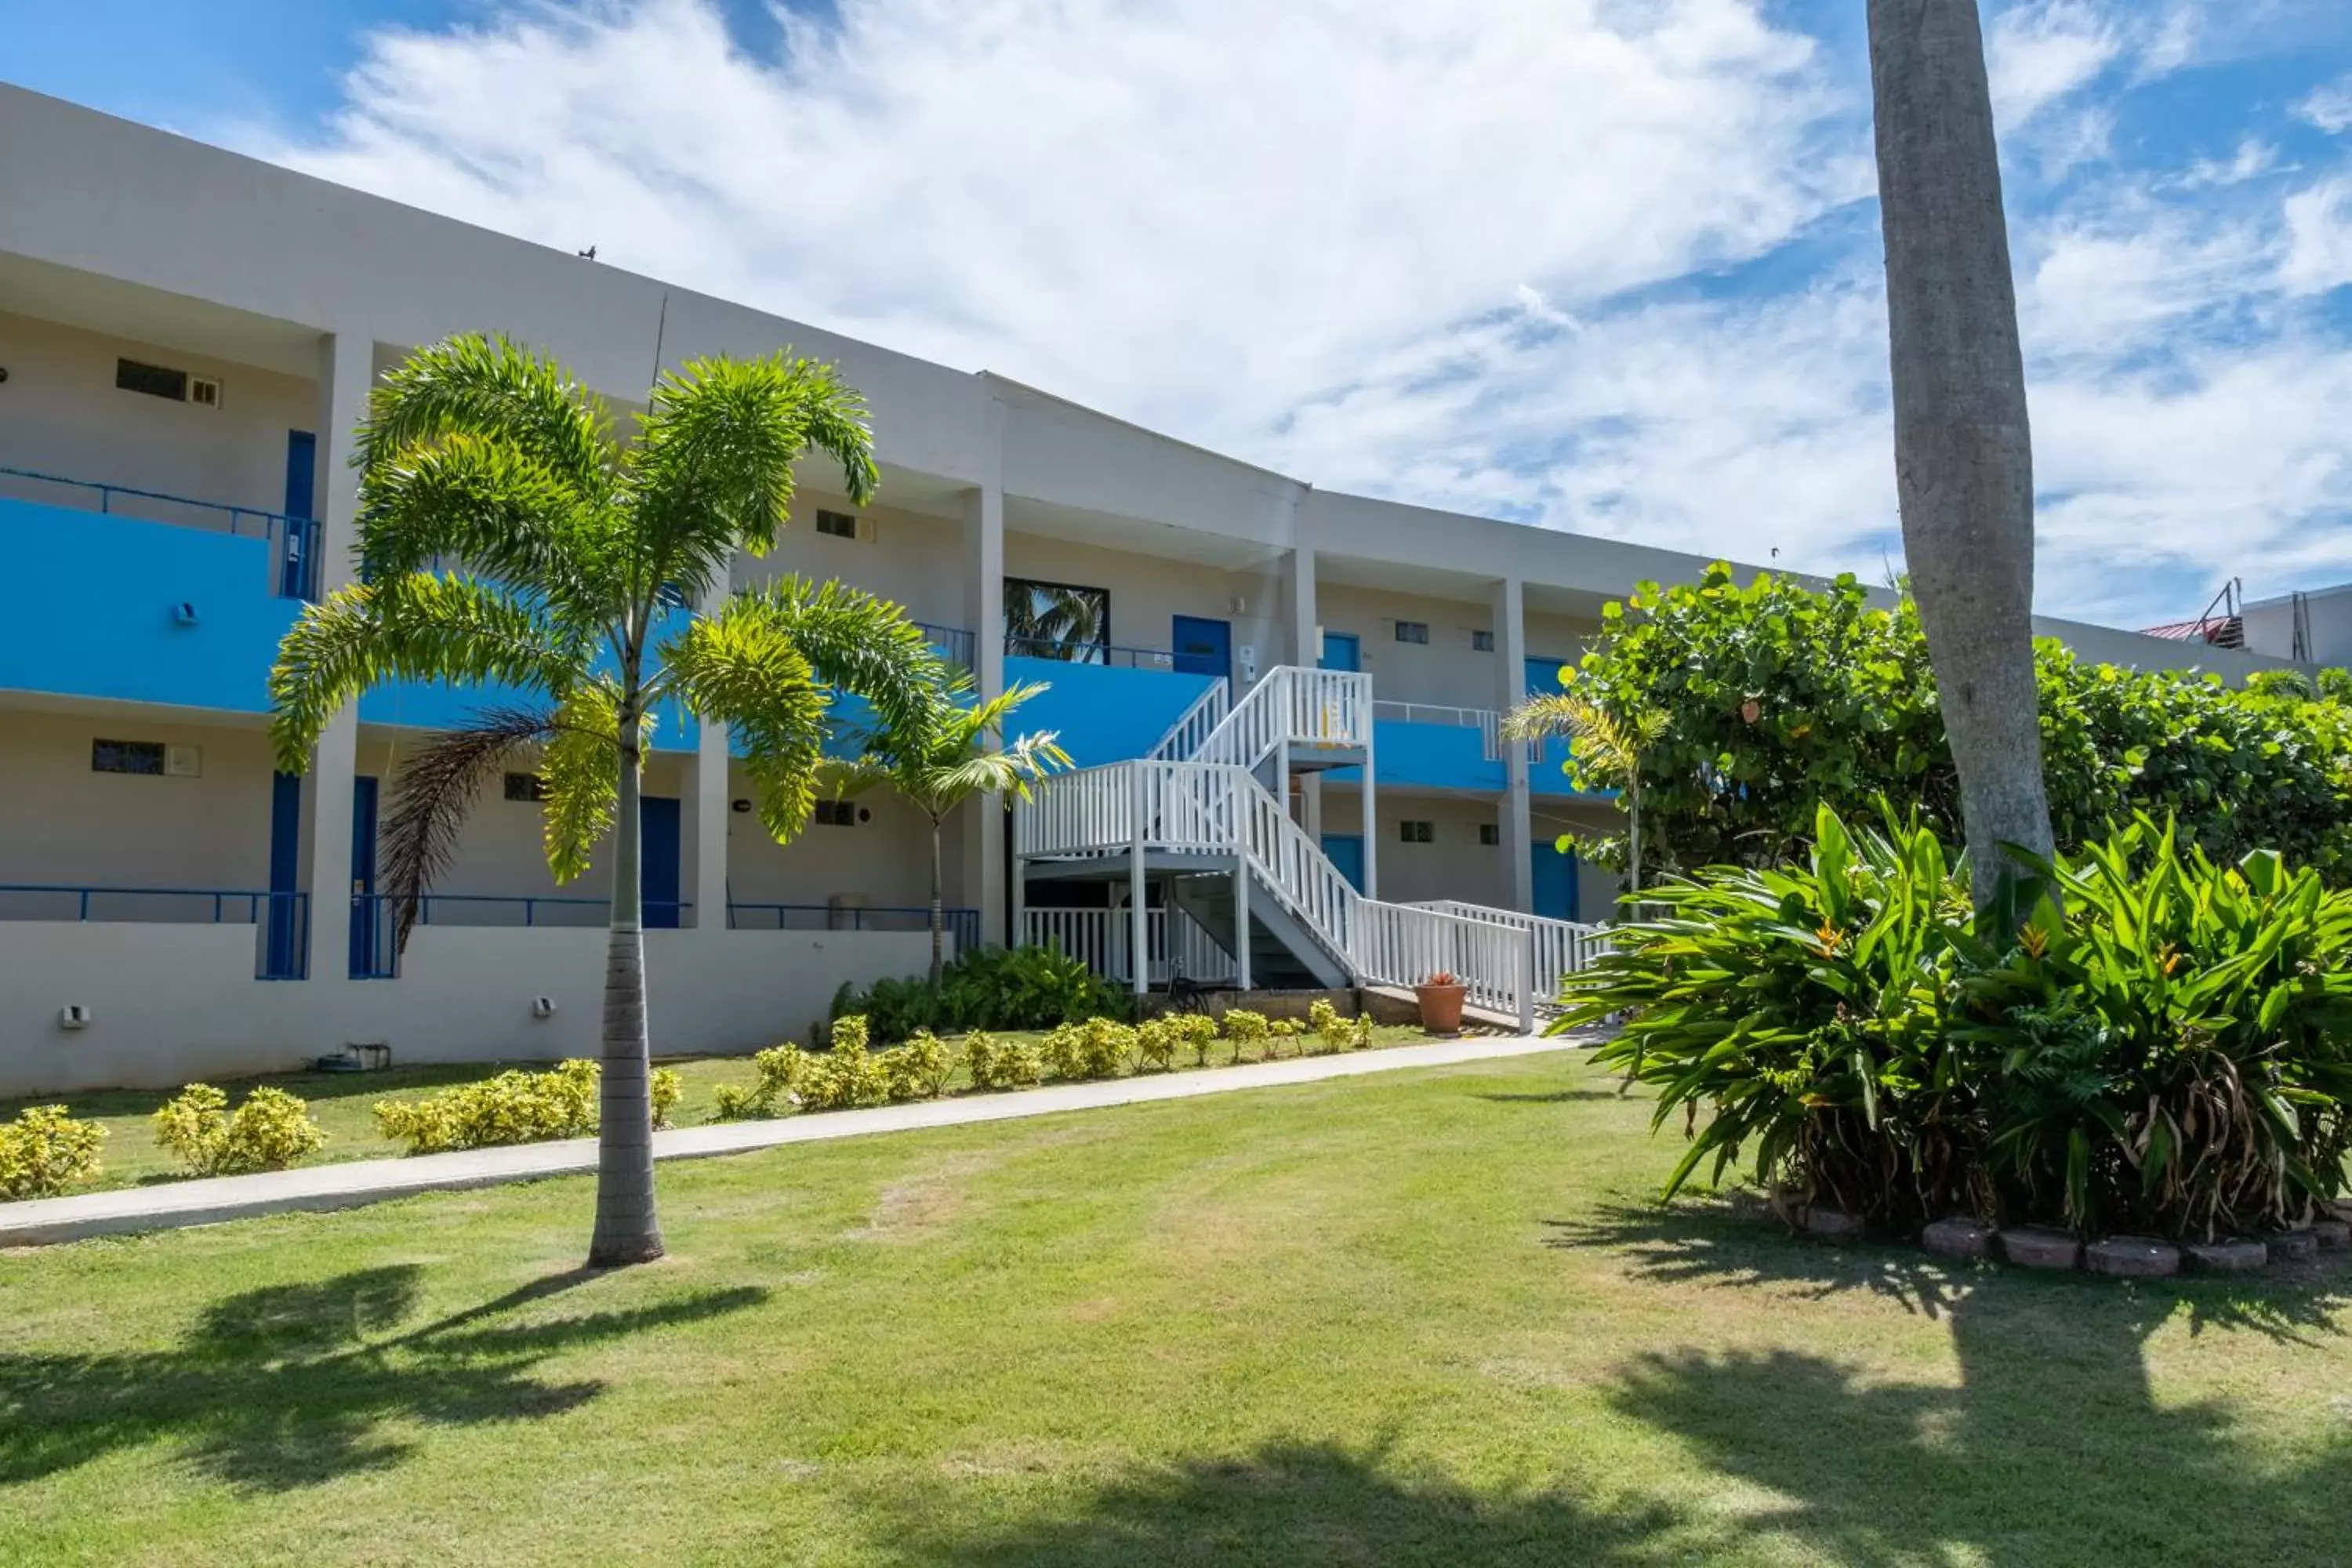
(840, 813)
(840, 524)
(127, 757)
(1490, 833)
(1482, 642)
(154, 380)
(526, 786)
(1056, 620)
(1411, 832)
(1412, 631)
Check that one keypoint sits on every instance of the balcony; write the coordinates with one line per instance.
(280, 921)
(1107, 704)
(1420, 745)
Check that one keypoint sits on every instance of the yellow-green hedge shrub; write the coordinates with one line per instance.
(780, 1074)
(1244, 1029)
(44, 1152)
(269, 1132)
(1001, 1064)
(512, 1108)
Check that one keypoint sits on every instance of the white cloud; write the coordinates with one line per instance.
(2329, 108)
(1481, 255)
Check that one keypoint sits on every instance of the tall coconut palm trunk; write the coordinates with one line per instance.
(1963, 448)
(627, 1228)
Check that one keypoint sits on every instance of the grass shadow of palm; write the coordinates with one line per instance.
(289, 1385)
(1292, 1504)
(2052, 1447)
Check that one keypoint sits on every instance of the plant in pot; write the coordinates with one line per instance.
(1441, 998)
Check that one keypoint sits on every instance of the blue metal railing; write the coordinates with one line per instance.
(954, 643)
(282, 918)
(294, 540)
(375, 920)
(1064, 651)
(963, 925)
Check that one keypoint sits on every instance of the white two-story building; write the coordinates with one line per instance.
(187, 339)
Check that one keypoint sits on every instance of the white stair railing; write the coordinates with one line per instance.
(1320, 709)
(1193, 726)
(1100, 940)
(1404, 944)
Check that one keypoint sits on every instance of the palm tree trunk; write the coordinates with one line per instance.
(937, 912)
(1963, 447)
(627, 1229)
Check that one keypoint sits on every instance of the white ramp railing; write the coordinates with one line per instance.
(1404, 944)
(1561, 948)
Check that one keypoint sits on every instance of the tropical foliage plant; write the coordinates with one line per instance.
(985, 988)
(516, 1107)
(44, 1150)
(271, 1131)
(939, 755)
(2165, 1045)
(1762, 702)
(510, 535)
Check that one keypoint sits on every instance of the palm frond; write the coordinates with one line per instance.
(740, 667)
(487, 503)
(712, 470)
(419, 627)
(435, 787)
(478, 386)
(851, 640)
(581, 770)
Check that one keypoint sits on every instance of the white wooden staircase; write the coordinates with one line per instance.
(1204, 814)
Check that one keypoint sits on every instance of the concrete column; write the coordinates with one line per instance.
(1139, 941)
(982, 868)
(346, 370)
(1369, 794)
(1302, 648)
(707, 888)
(1510, 688)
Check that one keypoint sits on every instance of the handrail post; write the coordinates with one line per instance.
(1139, 932)
(1240, 816)
(1528, 987)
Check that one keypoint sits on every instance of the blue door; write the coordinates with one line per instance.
(1555, 882)
(1342, 650)
(657, 865)
(1204, 648)
(1543, 675)
(370, 959)
(301, 470)
(280, 959)
(1346, 851)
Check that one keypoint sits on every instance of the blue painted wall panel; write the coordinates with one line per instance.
(1104, 714)
(92, 600)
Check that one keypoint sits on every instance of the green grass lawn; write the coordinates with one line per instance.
(1425, 1317)
(340, 1103)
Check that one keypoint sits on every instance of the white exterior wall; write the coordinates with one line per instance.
(886, 860)
(62, 822)
(909, 558)
(1563, 638)
(1147, 593)
(60, 412)
(173, 1003)
(1454, 866)
(1448, 671)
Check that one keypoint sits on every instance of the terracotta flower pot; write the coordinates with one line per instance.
(1440, 1007)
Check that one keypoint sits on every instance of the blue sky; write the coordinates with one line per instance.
(1609, 265)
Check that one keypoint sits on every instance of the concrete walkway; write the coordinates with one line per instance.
(354, 1182)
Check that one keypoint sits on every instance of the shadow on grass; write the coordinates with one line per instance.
(1293, 1505)
(291, 1385)
(2052, 1448)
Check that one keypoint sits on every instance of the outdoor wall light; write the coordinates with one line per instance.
(73, 1016)
(741, 807)
(184, 612)
(543, 1006)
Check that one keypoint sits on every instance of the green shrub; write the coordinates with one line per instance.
(665, 1090)
(1777, 697)
(1199, 1033)
(513, 1108)
(1282, 1030)
(2166, 1048)
(918, 1070)
(269, 1132)
(1360, 1032)
(985, 988)
(1156, 1042)
(1001, 1064)
(780, 1074)
(44, 1150)
(1245, 1029)
(847, 1075)
(1333, 1032)
(1095, 1048)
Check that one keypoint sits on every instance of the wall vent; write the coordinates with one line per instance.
(154, 380)
(204, 391)
(184, 761)
(839, 524)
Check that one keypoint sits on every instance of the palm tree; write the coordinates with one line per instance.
(571, 558)
(1607, 745)
(939, 756)
(1963, 446)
